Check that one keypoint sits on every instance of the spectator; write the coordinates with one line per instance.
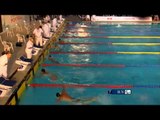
(29, 48)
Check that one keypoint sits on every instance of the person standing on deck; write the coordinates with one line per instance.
(4, 64)
(29, 48)
(46, 30)
(38, 36)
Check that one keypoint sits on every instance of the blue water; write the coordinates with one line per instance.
(108, 48)
(106, 59)
(138, 70)
(123, 30)
(120, 40)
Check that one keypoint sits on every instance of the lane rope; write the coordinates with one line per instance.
(80, 85)
(111, 52)
(87, 65)
(103, 65)
(110, 43)
(140, 37)
(35, 85)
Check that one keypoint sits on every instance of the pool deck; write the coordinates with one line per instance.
(21, 76)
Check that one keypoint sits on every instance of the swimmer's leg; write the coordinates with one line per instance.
(85, 101)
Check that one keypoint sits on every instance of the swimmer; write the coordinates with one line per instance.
(45, 73)
(64, 96)
(52, 59)
(61, 41)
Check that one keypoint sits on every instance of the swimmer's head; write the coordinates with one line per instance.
(50, 56)
(43, 70)
(58, 94)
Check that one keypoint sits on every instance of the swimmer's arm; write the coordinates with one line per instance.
(84, 101)
(63, 90)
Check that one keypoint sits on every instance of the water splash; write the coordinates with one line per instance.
(80, 90)
(118, 25)
(104, 100)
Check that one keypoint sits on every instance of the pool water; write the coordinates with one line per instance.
(135, 69)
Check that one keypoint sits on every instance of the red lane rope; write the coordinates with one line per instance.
(87, 43)
(83, 52)
(87, 65)
(80, 85)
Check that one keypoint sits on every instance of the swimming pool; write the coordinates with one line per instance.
(91, 66)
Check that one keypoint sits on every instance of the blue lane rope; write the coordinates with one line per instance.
(146, 86)
(142, 65)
